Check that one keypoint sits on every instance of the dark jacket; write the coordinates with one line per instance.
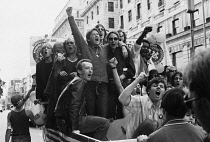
(123, 63)
(43, 71)
(74, 101)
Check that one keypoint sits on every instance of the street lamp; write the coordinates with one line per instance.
(191, 10)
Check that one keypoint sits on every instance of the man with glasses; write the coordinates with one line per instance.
(126, 71)
(197, 79)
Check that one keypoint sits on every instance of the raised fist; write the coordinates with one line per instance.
(69, 11)
(147, 29)
(113, 62)
(142, 76)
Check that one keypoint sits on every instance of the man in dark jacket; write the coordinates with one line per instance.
(73, 100)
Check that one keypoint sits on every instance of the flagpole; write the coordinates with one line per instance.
(204, 27)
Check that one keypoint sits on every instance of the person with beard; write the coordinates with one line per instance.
(126, 71)
(196, 77)
(145, 111)
(102, 33)
(43, 70)
(97, 87)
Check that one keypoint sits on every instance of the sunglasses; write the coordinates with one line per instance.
(111, 39)
(172, 71)
(101, 29)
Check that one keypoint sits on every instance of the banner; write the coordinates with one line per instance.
(36, 43)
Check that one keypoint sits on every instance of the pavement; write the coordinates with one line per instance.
(36, 133)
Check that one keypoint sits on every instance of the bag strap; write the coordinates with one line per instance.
(64, 90)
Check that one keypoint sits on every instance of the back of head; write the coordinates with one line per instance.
(197, 76)
(152, 73)
(58, 47)
(15, 100)
(173, 103)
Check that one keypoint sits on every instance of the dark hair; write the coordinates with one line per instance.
(112, 32)
(88, 34)
(100, 25)
(173, 102)
(173, 76)
(155, 80)
(196, 74)
(79, 64)
(124, 34)
(152, 73)
(15, 100)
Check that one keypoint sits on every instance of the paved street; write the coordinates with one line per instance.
(36, 134)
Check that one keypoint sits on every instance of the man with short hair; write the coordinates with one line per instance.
(146, 113)
(73, 100)
(197, 79)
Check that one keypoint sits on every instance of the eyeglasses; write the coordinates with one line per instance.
(111, 39)
(101, 29)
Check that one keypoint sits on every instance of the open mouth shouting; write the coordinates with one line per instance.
(157, 93)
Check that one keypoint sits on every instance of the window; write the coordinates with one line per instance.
(121, 22)
(111, 22)
(87, 19)
(77, 13)
(159, 28)
(175, 24)
(92, 15)
(97, 9)
(138, 11)
(196, 19)
(111, 6)
(149, 4)
(129, 1)
(174, 59)
(121, 4)
(79, 24)
(129, 15)
(160, 3)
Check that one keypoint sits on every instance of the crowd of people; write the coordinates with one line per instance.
(90, 83)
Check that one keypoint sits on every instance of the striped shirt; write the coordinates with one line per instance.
(141, 108)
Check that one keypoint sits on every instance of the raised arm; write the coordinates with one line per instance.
(124, 97)
(113, 63)
(80, 41)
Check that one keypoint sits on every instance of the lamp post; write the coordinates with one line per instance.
(204, 27)
(191, 10)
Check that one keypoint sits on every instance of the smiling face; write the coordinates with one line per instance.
(94, 38)
(113, 40)
(86, 71)
(70, 46)
(156, 91)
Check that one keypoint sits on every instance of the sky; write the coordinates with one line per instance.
(21, 19)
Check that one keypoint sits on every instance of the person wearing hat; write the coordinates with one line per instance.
(18, 122)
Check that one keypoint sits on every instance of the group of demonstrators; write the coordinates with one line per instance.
(90, 84)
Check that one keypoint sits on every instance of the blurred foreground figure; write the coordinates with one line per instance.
(197, 78)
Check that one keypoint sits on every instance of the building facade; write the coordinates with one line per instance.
(172, 19)
(105, 12)
(62, 28)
